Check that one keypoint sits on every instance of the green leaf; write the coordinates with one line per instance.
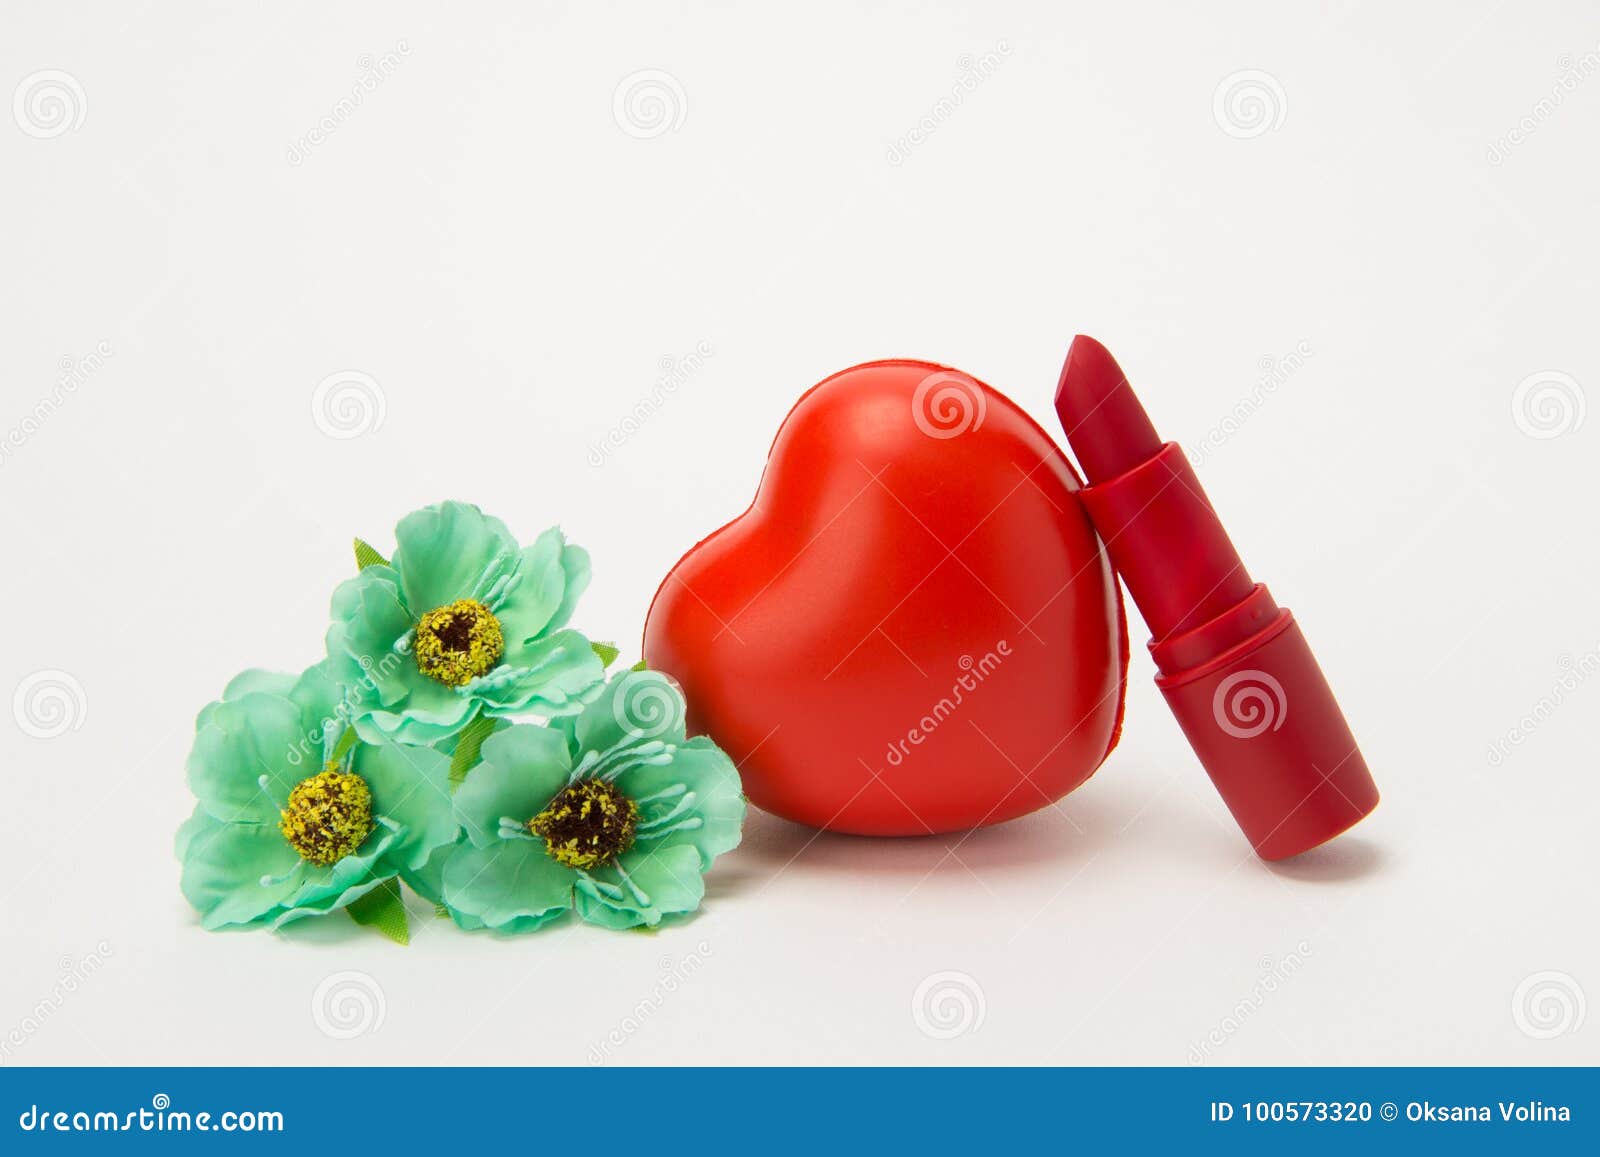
(607, 651)
(366, 556)
(639, 666)
(346, 742)
(466, 756)
(383, 910)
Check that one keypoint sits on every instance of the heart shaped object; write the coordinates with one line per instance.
(913, 628)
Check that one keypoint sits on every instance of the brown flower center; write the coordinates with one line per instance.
(587, 824)
(457, 643)
(328, 817)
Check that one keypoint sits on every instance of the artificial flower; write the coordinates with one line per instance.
(614, 814)
(296, 818)
(462, 621)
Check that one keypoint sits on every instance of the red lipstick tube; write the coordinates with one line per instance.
(1232, 664)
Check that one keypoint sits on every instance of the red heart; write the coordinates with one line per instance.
(913, 629)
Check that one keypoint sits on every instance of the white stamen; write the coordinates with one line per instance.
(639, 894)
(495, 563)
(683, 805)
(598, 888)
(512, 828)
(684, 825)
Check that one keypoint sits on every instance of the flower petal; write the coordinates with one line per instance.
(450, 551)
(411, 786)
(536, 591)
(551, 576)
(667, 877)
(330, 887)
(256, 679)
(319, 689)
(199, 821)
(325, 708)
(635, 706)
(555, 675)
(244, 758)
(429, 713)
(369, 618)
(575, 562)
(244, 683)
(467, 922)
(513, 886)
(712, 823)
(224, 866)
(327, 899)
(521, 768)
(427, 881)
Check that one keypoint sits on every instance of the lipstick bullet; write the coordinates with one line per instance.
(1233, 666)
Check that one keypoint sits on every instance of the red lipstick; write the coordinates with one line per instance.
(1232, 664)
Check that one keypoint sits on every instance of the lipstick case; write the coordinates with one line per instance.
(1234, 667)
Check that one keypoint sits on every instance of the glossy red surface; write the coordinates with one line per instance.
(1234, 667)
(913, 629)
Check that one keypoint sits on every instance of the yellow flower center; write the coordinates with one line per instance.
(587, 824)
(328, 817)
(457, 643)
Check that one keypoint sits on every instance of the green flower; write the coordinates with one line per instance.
(614, 814)
(461, 621)
(293, 822)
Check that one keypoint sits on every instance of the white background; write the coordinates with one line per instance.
(510, 259)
